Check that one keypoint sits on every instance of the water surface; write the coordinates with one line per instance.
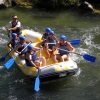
(14, 85)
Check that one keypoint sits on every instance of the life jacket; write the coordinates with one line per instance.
(13, 25)
(51, 41)
(45, 37)
(14, 43)
(62, 52)
(21, 48)
(34, 57)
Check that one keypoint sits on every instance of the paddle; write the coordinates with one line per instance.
(10, 62)
(3, 58)
(73, 42)
(85, 56)
(37, 80)
(37, 83)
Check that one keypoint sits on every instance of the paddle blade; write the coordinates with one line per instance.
(89, 57)
(75, 42)
(37, 84)
(9, 63)
(2, 59)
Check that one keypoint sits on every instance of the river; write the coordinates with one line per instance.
(83, 86)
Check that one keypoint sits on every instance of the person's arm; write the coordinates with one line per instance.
(30, 60)
(56, 38)
(17, 47)
(70, 47)
(55, 48)
(46, 43)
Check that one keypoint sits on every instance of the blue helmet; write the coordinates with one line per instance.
(30, 47)
(63, 37)
(52, 32)
(14, 35)
(48, 29)
(22, 38)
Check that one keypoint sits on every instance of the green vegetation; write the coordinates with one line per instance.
(48, 3)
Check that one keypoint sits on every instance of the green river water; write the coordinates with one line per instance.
(83, 86)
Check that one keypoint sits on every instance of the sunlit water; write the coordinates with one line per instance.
(14, 85)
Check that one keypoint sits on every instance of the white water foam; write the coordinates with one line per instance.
(89, 36)
(1, 67)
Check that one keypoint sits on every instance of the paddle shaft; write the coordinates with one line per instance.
(8, 53)
(85, 56)
(25, 47)
(73, 42)
(37, 80)
(69, 51)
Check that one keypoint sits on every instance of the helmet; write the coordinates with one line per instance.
(63, 37)
(22, 38)
(52, 32)
(14, 35)
(30, 47)
(48, 29)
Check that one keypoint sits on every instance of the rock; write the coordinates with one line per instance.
(86, 7)
(5, 3)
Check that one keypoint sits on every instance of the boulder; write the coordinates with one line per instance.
(5, 3)
(86, 7)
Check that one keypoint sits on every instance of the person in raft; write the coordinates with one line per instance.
(32, 59)
(13, 25)
(45, 36)
(20, 47)
(13, 42)
(63, 47)
(50, 43)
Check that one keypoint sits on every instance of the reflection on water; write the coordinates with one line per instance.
(84, 86)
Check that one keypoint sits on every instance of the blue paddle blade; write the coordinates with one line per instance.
(37, 84)
(75, 42)
(9, 63)
(2, 59)
(89, 57)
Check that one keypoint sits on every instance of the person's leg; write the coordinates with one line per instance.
(43, 60)
(64, 57)
(22, 56)
(56, 58)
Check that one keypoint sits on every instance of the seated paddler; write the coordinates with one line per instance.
(21, 47)
(13, 42)
(45, 36)
(32, 59)
(63, 48)
(50, 43)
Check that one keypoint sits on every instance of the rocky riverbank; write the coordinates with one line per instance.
(80, 4)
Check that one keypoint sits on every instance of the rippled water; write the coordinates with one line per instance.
(14, 85)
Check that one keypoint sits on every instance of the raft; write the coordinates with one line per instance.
(51, 70)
